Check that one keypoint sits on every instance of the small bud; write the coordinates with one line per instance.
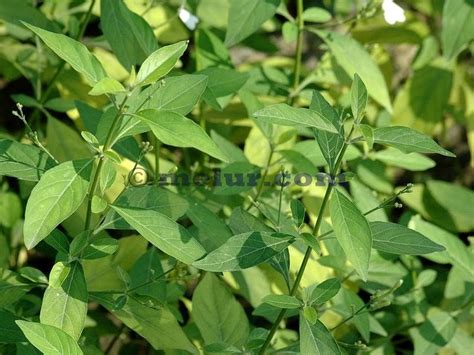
(398, 205)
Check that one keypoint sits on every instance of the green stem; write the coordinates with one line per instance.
(95, 178)
(307, 255)
(156, 147)
(299, 49)
(264, 176)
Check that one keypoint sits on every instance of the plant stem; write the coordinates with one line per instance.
(156, 147)
(264, 176)
(307, 255)
(299, 49)
(95, 178)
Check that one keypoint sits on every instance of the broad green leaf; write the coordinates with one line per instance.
(156, 323)
(64, 143)
(160, 63)
(423, 100)
(210, 50)
(146, 276)
(397, 239)
(359, 98)
(457, 27)
(178, 93)
(408, 140)
(48, 339)
(330, 144)
(435, 332)
(65, 304)
(130, 36)
(366, 200)
(286, 115)
(163, 232)
(325, 291)
(218, 315)
(11, 209)
(24, 162)
(316, 339)
(176, 130)
(408, 161)
(233, 153)
(368, 133)
(221, 83)
(246, 17)
(18, 11)
(154, 198)
(107, 86)
(457, 253)
(100, 247)
(12, 287)
(354, 59)
(352, 232)
(211, 229)
(9, 331)
(72, 52)
(243, 251)
(282, 301)
(57, 196)
(316, 14)
(298, 212)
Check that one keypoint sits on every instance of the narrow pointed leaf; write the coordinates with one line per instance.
(24, 162)
(316, 339)
(408, 140)
(282, 301)
(176, 130)
(325, 291)
(352, 232)
(243, 251)
(73, 52)
(65, 303)
(107, 86)
(57, 196)
(286, 115)
(48, 339)
(160, 63)
(397, 239)
(359, 98)
(164, 233)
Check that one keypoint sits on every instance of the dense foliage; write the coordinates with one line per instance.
(236, 176)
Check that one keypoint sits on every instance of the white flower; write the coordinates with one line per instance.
(392, 12)
(188, 18)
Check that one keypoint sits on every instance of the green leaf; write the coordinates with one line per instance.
(100, 247)
(218, 315)
(154, 198)
(155, 323)
(397, 239)
(368, 133)
(130, 36)
(65, 303)
(316, 339)
(408, 161)
(282, 301)
(176, 130)
(9, 331)
(72, 52)
(145, 276)
(243, 251)
(48, 339)
(221, 84)
(352, 232)
(316, 14)
(164, 233)
(359, 98)
(408, 140)
(286, 115)
(107, 86)
(18, 11)
(435, 332)
(12, 287)
(57, 196)
(24, 162)
(329, 143)
(246, 17)
(298, 212)
(160, 63)
(422, 102)
(458, 26)
(177, 93)
(354, 59)
(325, 291)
